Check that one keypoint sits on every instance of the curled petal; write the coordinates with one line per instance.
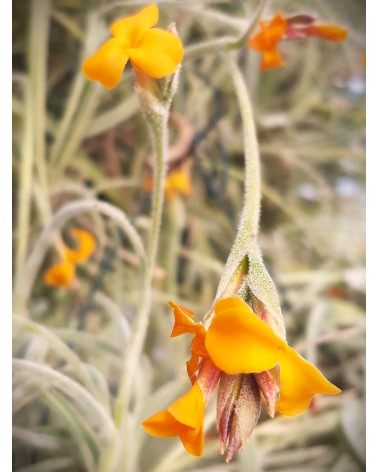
(158, 54)
(300, 381)
(183, 418)
(107, 64)
(133, 27)
(61, 274)
(85, 245)
(183, 322)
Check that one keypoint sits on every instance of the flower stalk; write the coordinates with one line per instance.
(155, 103)
(249, 220)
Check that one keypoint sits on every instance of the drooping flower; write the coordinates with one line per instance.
(154, 51)
(63, 273)
(240, 345)
(294, 27)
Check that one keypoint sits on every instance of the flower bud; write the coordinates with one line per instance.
(269, 384)
(238, 410)
(300, 19)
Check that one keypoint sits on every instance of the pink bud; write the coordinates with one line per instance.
(269, 384)
(238, 410)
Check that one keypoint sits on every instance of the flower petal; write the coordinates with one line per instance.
(158, 54)
(239, 342)
(327, 32)
(61, 274)
(271, 59)
(178, 182)
(160, 425)
(183, 322)
(300, 381)
(107, 64)
(85, 246)
(271, 34)
(183, 418)
(133, 27)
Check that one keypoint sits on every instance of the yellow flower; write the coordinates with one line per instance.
(63, 273)
(237, 342)
(156, 52)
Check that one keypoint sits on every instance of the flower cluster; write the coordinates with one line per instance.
(155, 52)
(281, 28)
(247, 358)
(64, 272)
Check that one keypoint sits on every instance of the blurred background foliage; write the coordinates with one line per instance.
(74, 140)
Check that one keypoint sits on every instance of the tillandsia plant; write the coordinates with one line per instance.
(127, 213)
(242, 349)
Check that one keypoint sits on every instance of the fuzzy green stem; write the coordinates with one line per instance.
(158, 127)
(249, 220)
(228, 42)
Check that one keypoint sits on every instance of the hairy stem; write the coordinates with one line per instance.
(249, 220)
(158, 128)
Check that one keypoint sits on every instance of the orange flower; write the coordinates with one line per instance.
(267, 40)
(184, 417)
(299, 26)
(237, 342)
(85, 246)
(177, 183)
(63, 273)
(156, 52)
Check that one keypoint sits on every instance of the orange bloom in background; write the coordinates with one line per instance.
(85, 246)
(267, 40)
(237, 342)
(63, 273)
(280, 28)
(177, 183)
(154, 51)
